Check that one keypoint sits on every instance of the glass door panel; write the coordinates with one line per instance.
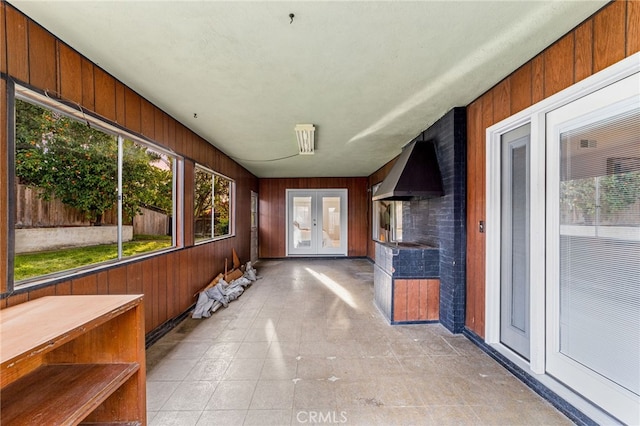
(301, 222)
(514, 280)
(333, 239)
(593, 338)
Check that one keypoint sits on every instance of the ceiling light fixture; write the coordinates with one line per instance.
(305, 134)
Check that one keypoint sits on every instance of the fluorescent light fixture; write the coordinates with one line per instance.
(305, 134)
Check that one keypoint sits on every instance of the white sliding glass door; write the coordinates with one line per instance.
(593, 247)
(317, 222)
(563, 243)
(514, 273)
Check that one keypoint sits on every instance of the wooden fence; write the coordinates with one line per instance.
(34, 212)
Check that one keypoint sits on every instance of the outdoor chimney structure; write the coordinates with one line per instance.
(433, 227)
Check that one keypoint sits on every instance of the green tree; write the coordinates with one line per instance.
(77, 164)
(67, 159)
(222, 187)
(203, 201)
(615, 192)
(147, 180)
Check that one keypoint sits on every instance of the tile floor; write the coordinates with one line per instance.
(306, 345)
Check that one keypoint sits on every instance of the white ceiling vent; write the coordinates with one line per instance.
(305, 134)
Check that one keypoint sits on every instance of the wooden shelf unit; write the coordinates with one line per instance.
(72, 359)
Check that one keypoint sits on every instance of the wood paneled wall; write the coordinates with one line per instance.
(608, 36)
(31, 55)
(273, 204)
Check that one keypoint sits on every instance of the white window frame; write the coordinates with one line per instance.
(536, 115)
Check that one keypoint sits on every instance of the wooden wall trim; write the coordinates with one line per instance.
(607, 37)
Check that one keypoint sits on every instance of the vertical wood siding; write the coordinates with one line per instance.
(168, 281)
(272, 212)
(602, 40)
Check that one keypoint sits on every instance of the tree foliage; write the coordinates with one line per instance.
(78, 164)
(611, 193)
(147, 180)
(212, 196)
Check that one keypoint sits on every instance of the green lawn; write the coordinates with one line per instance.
(29, 265)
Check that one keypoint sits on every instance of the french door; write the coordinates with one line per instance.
(317, 222)
(593, 247)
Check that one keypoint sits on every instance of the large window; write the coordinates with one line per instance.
(85, 193)
(387, 219)
(213, 205)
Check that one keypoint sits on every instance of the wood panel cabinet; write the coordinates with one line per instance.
(73, 359)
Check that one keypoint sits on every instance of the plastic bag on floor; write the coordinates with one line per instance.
(203, 306)
(250, 272)
(219, 293)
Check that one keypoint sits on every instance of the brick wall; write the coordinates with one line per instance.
(441, 221)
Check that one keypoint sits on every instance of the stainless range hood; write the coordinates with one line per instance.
(414, 175)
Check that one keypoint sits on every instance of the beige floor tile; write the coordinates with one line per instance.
(404, 348)
(222, 418)
(351, 369)
(190, 396)
(317, 349)
(314, 395)
(222, 350)
(232, 395)
(273, 395)
(437, 391)
(211, 369)
(171, 369)
(391, 392)
(284, 349)
(381, 366)
(405, 416)
(279, 369)
(501, 415)
(176, 418)
(244, 369)
(437, 346)
(259, 335)
(158, 393)
(315, 368)
(289, 351)
(267, 418)
(257, 349)
(232, 335)
(450, 415)
(355, 395)
(189, 350)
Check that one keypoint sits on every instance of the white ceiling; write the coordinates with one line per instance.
(370, 75)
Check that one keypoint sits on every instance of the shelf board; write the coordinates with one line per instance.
(61, 393)
(59, 319)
